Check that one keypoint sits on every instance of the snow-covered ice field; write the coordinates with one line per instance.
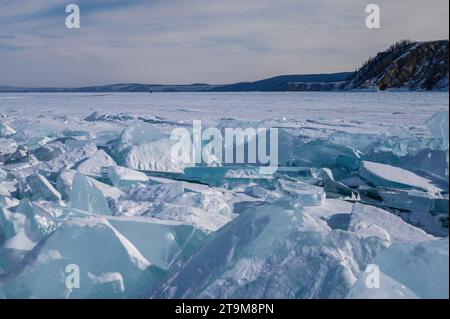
(88, 189)
(314, 112)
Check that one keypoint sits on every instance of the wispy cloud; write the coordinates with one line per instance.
(179, 41)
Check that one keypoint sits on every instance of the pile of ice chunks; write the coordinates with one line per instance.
(134, 223)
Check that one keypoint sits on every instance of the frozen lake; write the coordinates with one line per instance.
(313, 113)
(91, 180)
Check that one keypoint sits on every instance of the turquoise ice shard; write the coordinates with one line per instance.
(48, 151)
(388, 288)
(35, 135)
(335, 189)
(283, 144)
(3, 175)
(408, 270)
(161, 243)
(143, 147)
(64, 182)
(158, 193)
(373, 221)
(91, 196)
(7, 147)
(302, 193)
(395, 177)
(439, 127)
(93, 165)
(6, 223)
(41, 188)
(24, 225)
(43, 218)
(124, 176)
(273, 251)
(137, 133)
(341, 159)
(91, 245)
(414, 206)
(225, 175)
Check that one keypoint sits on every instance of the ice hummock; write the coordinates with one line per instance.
(410, 270)
(305, 229)
(143, 147)
(373, 221)
(273, 251)
(130, 253)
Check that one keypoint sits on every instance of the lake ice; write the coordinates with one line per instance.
(87, 180)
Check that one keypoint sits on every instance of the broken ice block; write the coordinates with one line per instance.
(48, 152)
(434, 163)
(6, 201)
(160, 243)
(93, 165)
(3, 175)
(303, 193)
(20, 155)
(43, 218)
(304, 174)
(5, 130)
(282, 147)
(364, 217)
(108, 283)
(154, 193)
(41, 188)
(64, 182)
(218, 176)
(138, 133)
(411, 269)
(388, 288)
(35, 135)
(257, 191)
(272, 251)
(19, 236)
(91, 196)
(322, 153)
(208, 212)
(152, 156)
(7, 147)
(439, 127)
(143, 147)
(415, 207)
(91, 245)
(78, 153)
(6, 223)
(77, 135)
(395, 177)
(123, 176)
(335, 189)
(95, 116)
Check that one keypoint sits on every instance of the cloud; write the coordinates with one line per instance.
(179, 41)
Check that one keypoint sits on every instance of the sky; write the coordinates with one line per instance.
(200, 41)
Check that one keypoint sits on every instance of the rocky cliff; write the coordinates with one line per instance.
(405, 65)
